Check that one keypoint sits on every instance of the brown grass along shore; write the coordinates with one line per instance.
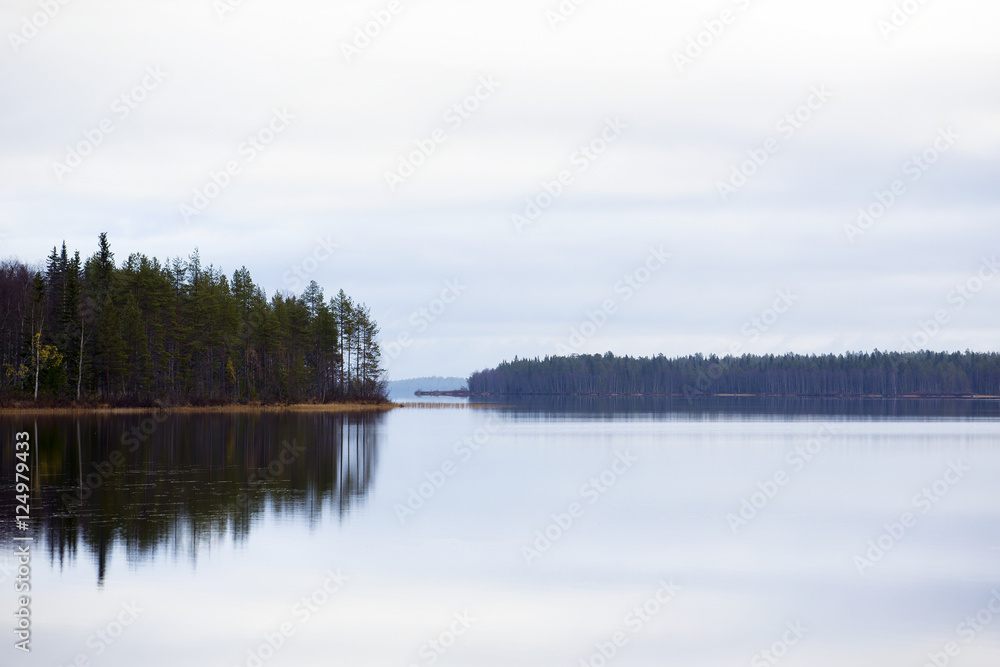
(235, 408)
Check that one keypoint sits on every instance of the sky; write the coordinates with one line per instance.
(531, 177)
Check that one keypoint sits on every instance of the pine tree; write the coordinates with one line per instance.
(71, 322)
(343, 308)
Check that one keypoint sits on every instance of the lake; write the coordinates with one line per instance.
(571, 532)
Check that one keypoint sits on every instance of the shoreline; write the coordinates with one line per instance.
(467, 394)
(207, 409)
(239, 408)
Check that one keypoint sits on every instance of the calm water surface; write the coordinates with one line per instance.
(824, 534)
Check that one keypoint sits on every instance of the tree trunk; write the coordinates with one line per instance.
(79, 372)
(38, 359)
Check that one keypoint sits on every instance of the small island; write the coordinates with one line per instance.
(454, 393)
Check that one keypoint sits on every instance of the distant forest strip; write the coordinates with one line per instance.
(178, 332)
(854, 374)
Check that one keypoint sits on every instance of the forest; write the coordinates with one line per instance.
(922, 373)
(179, 333)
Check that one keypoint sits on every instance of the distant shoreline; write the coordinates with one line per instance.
(208, 409)
(468, 394)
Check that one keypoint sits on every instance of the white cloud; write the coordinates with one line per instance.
(657, 184)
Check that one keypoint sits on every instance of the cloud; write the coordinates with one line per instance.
(657, 184)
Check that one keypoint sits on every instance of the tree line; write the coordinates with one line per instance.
(852, 374)
(179, 332)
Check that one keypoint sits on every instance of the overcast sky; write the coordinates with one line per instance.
(738, 137)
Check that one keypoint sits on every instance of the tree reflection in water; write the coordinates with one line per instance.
(184, 481)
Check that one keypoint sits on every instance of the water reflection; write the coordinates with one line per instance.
(180, 482)
(747, 407)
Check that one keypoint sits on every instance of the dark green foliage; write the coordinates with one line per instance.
(179, 332)
(852, 374)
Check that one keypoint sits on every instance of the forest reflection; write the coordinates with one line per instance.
(180, 482)
(744, 407)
